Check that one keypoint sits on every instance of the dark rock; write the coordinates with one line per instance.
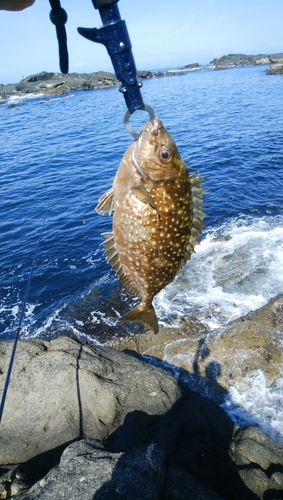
(231, 60)
(144, 74)
(50, 83)
(259, 464)
(89, 471)
(12, 482)
(221, 238)
(137, 432)
(62, 390)
(180, 485)
(57, 83)
(189, 67)
(44, 75)
(160, 74)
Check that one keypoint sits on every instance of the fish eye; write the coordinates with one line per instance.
(165, 154)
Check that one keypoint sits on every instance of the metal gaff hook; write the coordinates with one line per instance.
(126, 119)
(114, 36)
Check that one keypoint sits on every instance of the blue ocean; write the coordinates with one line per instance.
(59, 154)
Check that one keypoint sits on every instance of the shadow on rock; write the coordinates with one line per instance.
(193, 450)
(138, 432)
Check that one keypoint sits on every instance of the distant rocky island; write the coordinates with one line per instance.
(52, 83)
(232, 60)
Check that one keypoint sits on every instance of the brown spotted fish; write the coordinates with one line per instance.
(157, 219)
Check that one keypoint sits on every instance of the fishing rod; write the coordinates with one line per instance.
(18, 331)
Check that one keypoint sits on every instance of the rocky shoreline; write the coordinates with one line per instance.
(91, 422)
(51, 83)
(56, 83)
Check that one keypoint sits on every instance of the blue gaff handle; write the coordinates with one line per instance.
(114, 36)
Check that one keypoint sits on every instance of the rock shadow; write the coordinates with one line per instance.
(185, 453)
(164, 441)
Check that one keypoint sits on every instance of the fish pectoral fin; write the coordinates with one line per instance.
(145, 314)
(105, 203)
(140, 192)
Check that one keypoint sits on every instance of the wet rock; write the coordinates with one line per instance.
(221, 238)
(277, 313)
(220, 357)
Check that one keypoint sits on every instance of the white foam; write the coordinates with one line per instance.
(252, 402)
(14, 99)
(31, 331)
(98, 317)
(225, 280)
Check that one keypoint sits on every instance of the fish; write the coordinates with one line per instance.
(157, 221)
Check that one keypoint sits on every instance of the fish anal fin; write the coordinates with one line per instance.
(105, 203)
(110, 250)
(145, 314)
(109, 242)
(127, 283)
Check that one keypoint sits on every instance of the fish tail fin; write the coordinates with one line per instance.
(145, 314)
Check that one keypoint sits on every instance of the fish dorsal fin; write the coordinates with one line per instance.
(198, 215)
(105, 203)
(113, 259)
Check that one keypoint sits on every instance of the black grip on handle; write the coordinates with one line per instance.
(98, 4)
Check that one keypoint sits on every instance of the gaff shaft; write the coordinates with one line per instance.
(114, 36)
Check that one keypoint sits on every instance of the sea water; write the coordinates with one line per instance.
(60, 153)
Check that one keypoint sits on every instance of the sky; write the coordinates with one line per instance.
(165, 34)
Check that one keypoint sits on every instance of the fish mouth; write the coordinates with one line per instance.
(154, 126)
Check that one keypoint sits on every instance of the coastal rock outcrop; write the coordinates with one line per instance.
(90, 422)
(223, 358)
(232, 60)
(53, 83)
(49, 83)
(64, 390)
(275, 69)
(190, 67)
